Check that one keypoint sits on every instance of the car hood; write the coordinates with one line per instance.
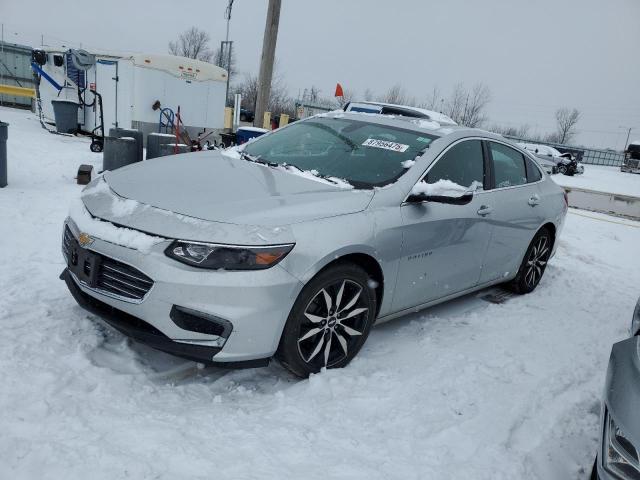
(213, 187)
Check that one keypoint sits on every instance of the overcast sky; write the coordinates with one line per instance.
(535, 56)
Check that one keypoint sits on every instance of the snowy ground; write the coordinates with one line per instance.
(465, 390)
(603, 179)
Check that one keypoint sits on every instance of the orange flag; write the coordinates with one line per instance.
(339, 92)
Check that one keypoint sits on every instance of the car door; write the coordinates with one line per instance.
(443, 245)
(514, 198)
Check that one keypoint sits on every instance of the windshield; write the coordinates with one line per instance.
(364, 154)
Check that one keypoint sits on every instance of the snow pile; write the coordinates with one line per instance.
(408, 163)
(427, 124)
(602, 179)
(443, 188)
(108, 232)
(314, 175)
(233, 152)
(120, 206)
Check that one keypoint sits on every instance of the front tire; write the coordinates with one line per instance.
(562, 169)
(329, 322)
(534, 263)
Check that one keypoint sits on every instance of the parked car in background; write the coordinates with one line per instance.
(566, 163)
(246, 115)
(296, 243)
(618, 456)
(631, 161)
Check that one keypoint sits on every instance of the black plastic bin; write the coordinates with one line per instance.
(4, 134)
(66, 116)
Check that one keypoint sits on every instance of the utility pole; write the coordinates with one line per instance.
(628, 129)
(267, 59)
(228, 45)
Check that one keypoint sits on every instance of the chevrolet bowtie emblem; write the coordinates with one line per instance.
(84, 239)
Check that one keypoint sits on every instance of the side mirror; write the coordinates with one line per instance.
(463, 199)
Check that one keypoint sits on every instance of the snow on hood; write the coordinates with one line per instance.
(216, 188)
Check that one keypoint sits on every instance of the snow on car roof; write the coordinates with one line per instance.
(441, 118)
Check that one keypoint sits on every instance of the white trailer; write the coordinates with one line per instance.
(132, 87)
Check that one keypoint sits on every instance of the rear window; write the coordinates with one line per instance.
(508, 166)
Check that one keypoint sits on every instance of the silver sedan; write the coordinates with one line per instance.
(619, 454)
(296, 244)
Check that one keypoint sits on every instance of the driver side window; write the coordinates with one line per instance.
(462, 164)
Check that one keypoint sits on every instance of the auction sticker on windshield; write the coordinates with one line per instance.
(393, 146)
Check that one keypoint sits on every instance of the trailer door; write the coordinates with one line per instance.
(107, 86)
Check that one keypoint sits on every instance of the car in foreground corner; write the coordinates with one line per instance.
(618, 456)
(293, 245)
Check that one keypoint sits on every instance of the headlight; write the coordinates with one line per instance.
(635, 321)
(227, 257)
(620, 456)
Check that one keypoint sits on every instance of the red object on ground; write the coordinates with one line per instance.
(339, 92)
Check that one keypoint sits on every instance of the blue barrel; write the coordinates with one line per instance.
(244, 134)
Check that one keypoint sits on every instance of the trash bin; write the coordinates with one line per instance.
(170, 149)
(244, 134)
(119, 152)
(135, 134)
(66, 115)
(227, 139)
(155, 141)
(4, 133)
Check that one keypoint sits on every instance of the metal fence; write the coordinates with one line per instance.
(15, 69)
(590, 156)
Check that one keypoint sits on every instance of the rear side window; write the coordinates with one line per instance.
(533, 172)
(508, 166)
(462, 164)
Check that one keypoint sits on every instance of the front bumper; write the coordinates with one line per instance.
(255, 303)
(621, 398)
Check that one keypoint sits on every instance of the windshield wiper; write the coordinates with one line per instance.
(257, 159)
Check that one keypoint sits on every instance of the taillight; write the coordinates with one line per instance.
(566, 198)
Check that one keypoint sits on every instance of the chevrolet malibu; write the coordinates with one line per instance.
(618, 457)
(294, 245)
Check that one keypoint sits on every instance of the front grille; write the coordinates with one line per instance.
(122, 279)
(66, 238)
(113, 277)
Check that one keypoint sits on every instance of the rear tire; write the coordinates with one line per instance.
(534, 263)
(329, 322)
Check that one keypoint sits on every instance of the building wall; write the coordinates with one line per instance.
(15, 69)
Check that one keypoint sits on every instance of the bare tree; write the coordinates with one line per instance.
(192, 43)
(435, 101)
(566, 125)
(520, 132)
(279, 101)
(221, 59)
(466, 107)
(368, 95)
(397, 95)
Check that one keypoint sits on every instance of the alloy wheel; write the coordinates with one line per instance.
(537, 261)
(334, 321)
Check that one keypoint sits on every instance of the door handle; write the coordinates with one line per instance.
(534, 200)
(484, 210)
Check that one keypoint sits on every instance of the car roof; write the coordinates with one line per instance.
(424, 125)
(407, 110)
